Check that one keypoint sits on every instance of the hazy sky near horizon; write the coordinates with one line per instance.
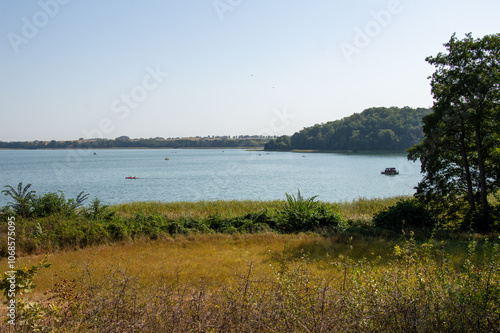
(75, 68)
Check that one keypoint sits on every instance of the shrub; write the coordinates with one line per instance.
(221, 224)
(5, 212)
(49, 204)
(29, 316)
(300, 214)
(250, 226)
(98, 211)
(26, 204)
(191, 224)
(406, 213)
(117, 231)
(22, 199)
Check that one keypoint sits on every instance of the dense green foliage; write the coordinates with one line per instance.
(373, 129)
(22, 197)
(301, 214)
(405, 215)
(60, 232)
(282, 143)
(49, 221)
(52, 222)
(125, 142)
(460, 149)
(27, 204)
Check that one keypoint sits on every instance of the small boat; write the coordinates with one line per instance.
(133, 177)
(95, 153)
(166, 158)
(390, 171)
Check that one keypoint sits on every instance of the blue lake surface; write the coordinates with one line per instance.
(206, 174)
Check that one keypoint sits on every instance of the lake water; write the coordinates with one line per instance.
(206, 174)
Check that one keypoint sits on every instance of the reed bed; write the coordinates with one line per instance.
(361, 209)
(198, 209)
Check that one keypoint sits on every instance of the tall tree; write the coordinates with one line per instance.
(458, 152)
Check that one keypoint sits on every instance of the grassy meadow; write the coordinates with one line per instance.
(212, 273)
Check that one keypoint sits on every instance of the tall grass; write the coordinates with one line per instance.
(361, 211)
(99, 224)
(268, 282)
(198, 209)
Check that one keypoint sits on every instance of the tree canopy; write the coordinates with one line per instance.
(374, 129)
(460, 149)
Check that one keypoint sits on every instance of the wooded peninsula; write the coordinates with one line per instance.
(374, 129)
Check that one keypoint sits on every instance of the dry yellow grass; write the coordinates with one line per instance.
(200, 258)
(203, 258)
(201, 282)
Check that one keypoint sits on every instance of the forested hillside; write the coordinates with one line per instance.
(374, 129)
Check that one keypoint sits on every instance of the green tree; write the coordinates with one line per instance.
(458, 152)
(280, 143)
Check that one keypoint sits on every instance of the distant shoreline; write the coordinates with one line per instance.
(155, 148)
(309, 151)
(348, 151)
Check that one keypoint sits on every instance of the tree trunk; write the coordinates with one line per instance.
(483, 223)
(470, 191)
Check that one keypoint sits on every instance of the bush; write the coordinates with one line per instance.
(5, 213)
(26, 204)
(299, 214)
(49, 204)
(406, 213)
(22, 199)
(98, 211)
(117, 231)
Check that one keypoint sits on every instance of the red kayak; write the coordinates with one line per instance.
(131, 177)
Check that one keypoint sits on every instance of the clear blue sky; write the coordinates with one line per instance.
(87, 68)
